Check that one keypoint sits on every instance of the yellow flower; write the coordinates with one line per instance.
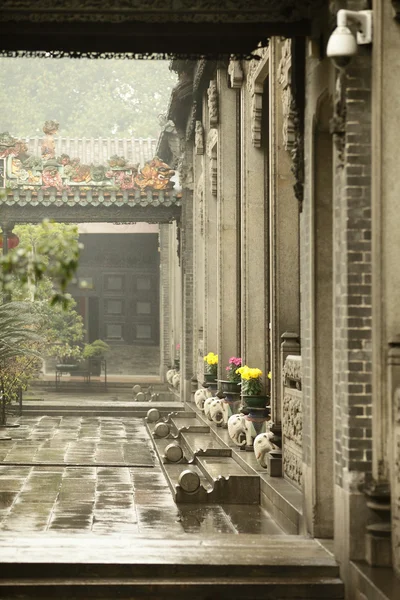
(211, 358)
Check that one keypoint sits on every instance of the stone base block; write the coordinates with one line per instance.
(378, 548)
(274, 463)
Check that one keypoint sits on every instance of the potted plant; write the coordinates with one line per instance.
(232, 384)
(252, 387)
(95, 353)
(211, 360)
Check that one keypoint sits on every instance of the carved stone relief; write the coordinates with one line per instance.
(235, 73)
(212, 155)
(291, 133)
(200, 202)
(199, 138)
(292, 419)
(212, 94)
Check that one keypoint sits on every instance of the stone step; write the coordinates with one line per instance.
(203, 488)
(204, 444)
(214, 566)
(230, 483)
(240, 588)
(188, 423)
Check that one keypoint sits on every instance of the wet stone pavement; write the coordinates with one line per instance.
(100, 475)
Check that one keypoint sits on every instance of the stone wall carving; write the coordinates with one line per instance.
(292, 468)
(292, 419)
(291, 132)
(199, 138)
(212, 94)
(212, 155)
(293, 411)
(292, 371)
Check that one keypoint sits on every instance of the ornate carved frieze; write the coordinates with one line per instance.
(292, 135)
(212, 94)
(212, 155)
(199, 138)
(235, 73)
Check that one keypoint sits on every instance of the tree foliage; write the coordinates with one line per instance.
(47, 252)
(90, 98)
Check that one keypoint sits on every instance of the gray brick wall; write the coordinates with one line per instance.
(353, 311)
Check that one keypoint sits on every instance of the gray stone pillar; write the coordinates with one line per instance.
(165, 301)
(210, 235)
(254, 234)
(227, 219)
(283, 214)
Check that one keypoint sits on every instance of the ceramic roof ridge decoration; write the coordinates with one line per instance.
(47, 175)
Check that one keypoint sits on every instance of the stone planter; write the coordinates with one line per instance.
(229, 387)
(255, 401)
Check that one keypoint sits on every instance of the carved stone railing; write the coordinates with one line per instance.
(292, 420)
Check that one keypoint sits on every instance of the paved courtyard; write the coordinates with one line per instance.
(100, 475)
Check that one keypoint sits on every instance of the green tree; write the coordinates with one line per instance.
(48, 252)
(90, 98)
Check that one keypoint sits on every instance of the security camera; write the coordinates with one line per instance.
(342, 44)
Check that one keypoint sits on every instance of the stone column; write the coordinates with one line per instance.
(385, 258)
(227, 218)
(187, 274)
(210, 232)
(7, 229)
(254, 227)
(283, 213)
(165, 301)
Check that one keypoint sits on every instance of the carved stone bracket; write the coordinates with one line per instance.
(291, 132)
(212, 155)
(199, 138)
(191, 123)
(235, 73)
(185, 172)
(396, 8)
(257, 73)
(212, 93)
(288, 105)
(338, 121)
